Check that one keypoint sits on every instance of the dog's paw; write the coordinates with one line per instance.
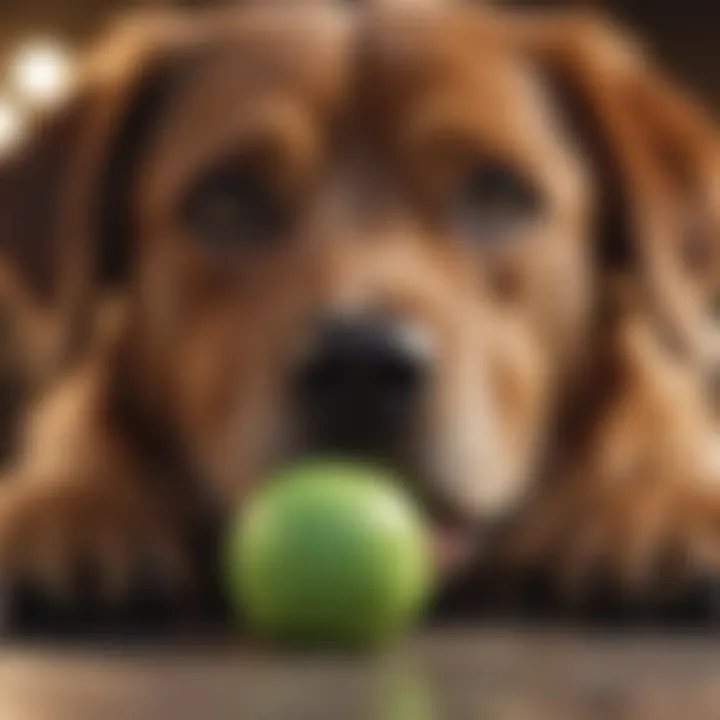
(640, 554)
(85, 556)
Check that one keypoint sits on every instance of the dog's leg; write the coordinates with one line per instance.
(633, 529)
(75, 551)
(88, 535)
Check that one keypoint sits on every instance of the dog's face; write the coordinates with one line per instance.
(375, 235)
(328, 266)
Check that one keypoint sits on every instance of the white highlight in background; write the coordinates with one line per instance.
(41, 72)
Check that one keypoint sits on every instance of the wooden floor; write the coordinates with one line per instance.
(457, 674)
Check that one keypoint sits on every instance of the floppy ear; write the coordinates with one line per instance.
(61, 192)
(657, 155)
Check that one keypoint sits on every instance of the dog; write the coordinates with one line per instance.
(476, 245)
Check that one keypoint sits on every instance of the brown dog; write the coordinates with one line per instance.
(478, 246)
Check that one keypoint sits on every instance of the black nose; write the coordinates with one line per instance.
(360, 386)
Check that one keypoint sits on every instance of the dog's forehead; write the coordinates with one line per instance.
(344, 58)
(300, 72)
(261, 55)
(465, 70)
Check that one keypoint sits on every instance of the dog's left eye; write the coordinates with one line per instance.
(492, 200)
(235, 206)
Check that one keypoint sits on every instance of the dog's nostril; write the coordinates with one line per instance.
(397, 373)
(373, 380)
(361, 369)
(323, 378)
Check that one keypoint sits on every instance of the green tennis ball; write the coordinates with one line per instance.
(329, 553)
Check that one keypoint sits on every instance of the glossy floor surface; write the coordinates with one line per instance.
(456, 674)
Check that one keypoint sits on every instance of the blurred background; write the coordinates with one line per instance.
(39, 38)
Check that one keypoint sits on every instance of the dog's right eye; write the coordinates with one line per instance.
(235, 206)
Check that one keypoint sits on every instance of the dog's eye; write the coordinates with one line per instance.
(235, 206)
(493, 200)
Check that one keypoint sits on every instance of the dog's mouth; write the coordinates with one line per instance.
(455, 536)
(455, 533)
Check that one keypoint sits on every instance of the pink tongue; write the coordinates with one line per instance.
(452, 547)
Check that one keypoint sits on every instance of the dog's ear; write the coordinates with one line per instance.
(657, 156)
(61, 224)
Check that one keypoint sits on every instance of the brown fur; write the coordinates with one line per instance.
(573, 363)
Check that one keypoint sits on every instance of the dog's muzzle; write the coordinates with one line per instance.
(361, 386)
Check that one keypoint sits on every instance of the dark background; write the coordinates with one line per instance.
(684, 33)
